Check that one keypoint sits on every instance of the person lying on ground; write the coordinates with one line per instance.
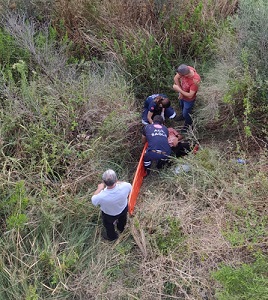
(179, 147)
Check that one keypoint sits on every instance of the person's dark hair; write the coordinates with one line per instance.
(109, 177)
(183, 69)
(165, 102)
(158, 119)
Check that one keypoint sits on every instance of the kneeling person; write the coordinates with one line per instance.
(156, 135)
(157, 104)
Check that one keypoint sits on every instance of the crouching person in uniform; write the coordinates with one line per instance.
(157, 104)
(159, 150)
(112, 197)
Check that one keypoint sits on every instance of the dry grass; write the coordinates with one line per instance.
(184, 226)
(89, 22)
(203, 219)
(222, 8)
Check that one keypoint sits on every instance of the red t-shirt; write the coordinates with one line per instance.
(190, 83)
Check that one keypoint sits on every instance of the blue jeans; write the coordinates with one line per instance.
(186, 107)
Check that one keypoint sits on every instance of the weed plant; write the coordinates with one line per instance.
(64, 121)
(235, 90)
(249, 281)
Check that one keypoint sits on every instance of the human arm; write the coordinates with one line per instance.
(177, 80)
(101, 187)
(180, 137)
(143, 139)
(149, 117)
(181, 91)
(143, 135)
(163, 113)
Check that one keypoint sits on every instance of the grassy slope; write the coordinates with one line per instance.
(59, 130)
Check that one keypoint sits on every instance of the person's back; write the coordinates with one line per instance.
(113, 201)
(157, 138)
(159, 150)
(112, 197)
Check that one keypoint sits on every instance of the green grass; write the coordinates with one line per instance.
(248, 281)
(64, 120)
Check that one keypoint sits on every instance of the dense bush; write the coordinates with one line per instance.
(149, 39)
(252, 27)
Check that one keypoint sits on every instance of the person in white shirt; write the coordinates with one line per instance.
(112, 197)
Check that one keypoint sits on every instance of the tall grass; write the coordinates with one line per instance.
(65, 120)
(53, 126)
(235, 87)
(187, 223)
(148, 38)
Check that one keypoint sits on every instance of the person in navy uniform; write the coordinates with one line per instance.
(157, 104)
(158, 150)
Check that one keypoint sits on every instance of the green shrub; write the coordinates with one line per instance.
(44, 149)
(241, 94)
(10, 53)
(13, 206)
(250, 229)
(170, 237)
(192, 35)
(235, 88)
(245, 282)
(251, 25)
(148, 61)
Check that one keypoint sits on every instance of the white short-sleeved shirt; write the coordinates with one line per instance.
(113, 201)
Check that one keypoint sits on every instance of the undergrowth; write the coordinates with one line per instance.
(200, 234)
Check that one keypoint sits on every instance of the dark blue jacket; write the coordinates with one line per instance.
(157, 138)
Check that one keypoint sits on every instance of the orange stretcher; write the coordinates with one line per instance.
(137, 182)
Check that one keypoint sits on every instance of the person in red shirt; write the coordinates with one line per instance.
(186, 82)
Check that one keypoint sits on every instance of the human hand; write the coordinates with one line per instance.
(176, 88)
(101, 186)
